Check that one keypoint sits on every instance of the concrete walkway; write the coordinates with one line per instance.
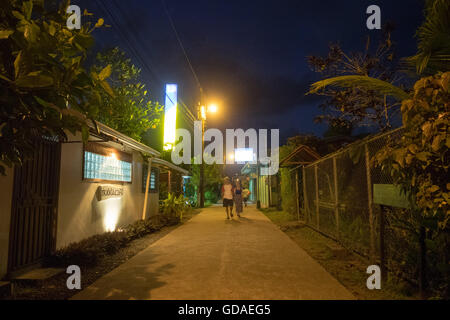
(210, 257)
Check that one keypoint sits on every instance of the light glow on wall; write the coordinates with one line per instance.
(111, 212)
(170, 116)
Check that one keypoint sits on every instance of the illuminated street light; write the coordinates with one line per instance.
(212, 108)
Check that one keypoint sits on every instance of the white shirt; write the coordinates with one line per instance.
(228, 191)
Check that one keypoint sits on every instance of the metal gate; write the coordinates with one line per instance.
(34, 206)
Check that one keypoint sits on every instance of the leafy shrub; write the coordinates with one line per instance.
(140, 228)
(174, 207)
(89, 251)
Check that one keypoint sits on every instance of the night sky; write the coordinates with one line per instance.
(249, 55)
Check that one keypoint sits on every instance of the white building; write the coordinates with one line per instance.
(71, 191)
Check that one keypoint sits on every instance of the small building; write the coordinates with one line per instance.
(73, 190)
(263, 188)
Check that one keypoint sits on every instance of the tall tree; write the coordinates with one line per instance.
(44, 89)
(355, 105)
(129, 110)
(433, 54)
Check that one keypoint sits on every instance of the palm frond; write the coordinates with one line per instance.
(363, 82)
(433, 39)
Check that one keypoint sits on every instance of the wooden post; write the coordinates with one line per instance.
(336, 196)
(297, 194)
(305, 196)
(370, 204)
(422, 262)
(181, 185)
(169, 180)
(317, 195)
(382, 245)
(147, 183)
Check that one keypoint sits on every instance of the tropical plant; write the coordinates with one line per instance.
(175, 206)
(130, 111)
(419, 162)
(433, 39)
(44, 89)
(433, 55)
(212, 176)
(348, 105)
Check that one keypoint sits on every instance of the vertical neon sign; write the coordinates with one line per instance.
(170, 116)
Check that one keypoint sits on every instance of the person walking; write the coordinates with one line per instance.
(227, 196)
(245, 194)
(238, 197)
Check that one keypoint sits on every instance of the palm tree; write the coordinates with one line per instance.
(433, 54)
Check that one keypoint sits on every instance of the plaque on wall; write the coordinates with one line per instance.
(109, 191)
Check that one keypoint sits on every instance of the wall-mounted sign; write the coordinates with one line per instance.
(170, 116)
(389, 195)
(109, 191)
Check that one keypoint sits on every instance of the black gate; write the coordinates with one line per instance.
(34, 206)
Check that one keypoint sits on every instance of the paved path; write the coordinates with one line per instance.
(212, 258)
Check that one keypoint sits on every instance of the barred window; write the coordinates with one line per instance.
(154, 179)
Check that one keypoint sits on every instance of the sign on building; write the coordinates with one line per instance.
(108, 192)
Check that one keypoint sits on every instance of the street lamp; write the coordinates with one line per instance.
(212, 108)
(201, 115)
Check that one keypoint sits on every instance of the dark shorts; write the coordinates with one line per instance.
(228, 202)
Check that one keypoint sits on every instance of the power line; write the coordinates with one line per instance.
(181, 45)
(136, 54)
(138, 41)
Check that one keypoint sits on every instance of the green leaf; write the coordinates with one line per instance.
(46, 104)
(369, 83)
(4, 34)
(105, 73)
(18, 15)
(34, 80)
(107, 88)
(27, 9)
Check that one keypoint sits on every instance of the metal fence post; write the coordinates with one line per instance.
(369, 199)
(336, 197)
(297, 195)
(317, 195)
(305, 196)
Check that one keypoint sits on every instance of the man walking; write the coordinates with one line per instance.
(227, 196)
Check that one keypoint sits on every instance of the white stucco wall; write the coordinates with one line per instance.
(6, 189)
(80, 215)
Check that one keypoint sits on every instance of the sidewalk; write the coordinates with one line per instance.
(210, 257)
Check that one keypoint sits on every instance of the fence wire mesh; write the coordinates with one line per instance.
(338, 195)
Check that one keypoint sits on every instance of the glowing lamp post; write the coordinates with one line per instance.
(170, 116)
(201, 115)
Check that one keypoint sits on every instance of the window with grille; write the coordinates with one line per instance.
(106, 164)
(154, 179)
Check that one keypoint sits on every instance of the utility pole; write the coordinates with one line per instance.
(201, 116)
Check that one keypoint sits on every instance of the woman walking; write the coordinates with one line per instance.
(227, 196)
(238, 197)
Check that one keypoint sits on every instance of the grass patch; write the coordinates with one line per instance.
(346, 266)
(278, 217)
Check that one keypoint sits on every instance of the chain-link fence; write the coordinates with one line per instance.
(338, 202)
